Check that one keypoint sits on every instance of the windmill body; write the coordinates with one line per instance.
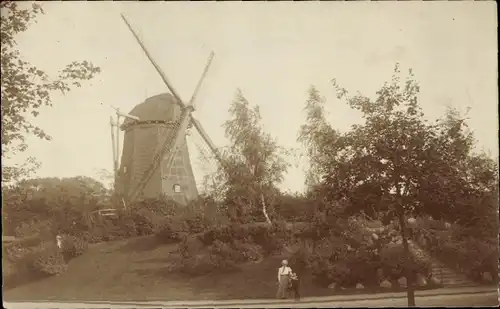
(159, 117)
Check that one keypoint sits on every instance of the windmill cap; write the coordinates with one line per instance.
(161, 107)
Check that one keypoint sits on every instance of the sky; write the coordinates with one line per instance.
(272, 51)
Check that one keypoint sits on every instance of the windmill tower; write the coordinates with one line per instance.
(159, 117)
(155, 157)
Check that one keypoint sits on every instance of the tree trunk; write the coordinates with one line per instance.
(264, 211)
(410, 291)
(408, 260)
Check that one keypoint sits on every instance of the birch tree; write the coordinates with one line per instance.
(254, 164)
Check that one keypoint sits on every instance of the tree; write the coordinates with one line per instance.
(312, 135)
(378, 166)
(25, 88)
(252, 165)
(399, 164)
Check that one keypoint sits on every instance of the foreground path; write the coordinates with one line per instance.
(458, 297)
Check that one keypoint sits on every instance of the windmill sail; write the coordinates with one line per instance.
(153, 62)
(206, 138)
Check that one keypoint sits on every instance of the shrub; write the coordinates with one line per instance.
(43, 228)
(349, 254)
(393, 263)
(145, 221)
(198, 217)
(226, 246)
(249, 252)
(74, 246)
(190, 245)
(197, 259)
(47, 260)
(470, 255)
(171, 232)
(300, 258)
(226, 256)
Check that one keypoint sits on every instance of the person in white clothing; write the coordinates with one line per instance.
(284, 273)
(59, 241)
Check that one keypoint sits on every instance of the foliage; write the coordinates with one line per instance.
(251, 166)
(73, 247)
(355, 256)
(38, 229)
(225, 247)
(197, 217)
(47, 260)
(26, 88)
(294, 207)
(457, 249)
(393, 263)
(314, 134)
(397, 162)
(15, 263)
(67, 203)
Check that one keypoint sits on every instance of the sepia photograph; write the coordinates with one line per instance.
(314, 154)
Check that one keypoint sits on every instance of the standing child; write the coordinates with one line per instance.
(295, 285)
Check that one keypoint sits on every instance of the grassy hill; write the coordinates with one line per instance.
(138, 269)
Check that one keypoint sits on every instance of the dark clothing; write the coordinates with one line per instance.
(296, 287)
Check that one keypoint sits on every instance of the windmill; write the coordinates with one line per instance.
(155, 157)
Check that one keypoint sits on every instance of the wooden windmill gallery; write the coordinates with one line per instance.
(155, 158)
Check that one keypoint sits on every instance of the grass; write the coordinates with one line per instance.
(138, 269)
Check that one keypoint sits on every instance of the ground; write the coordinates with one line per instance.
(138, 269)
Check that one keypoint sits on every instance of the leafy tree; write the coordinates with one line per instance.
(397, 163)
(25, 88)
(252, 165)
(312, 135)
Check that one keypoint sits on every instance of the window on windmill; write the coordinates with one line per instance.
(124, 169)
(177, 188)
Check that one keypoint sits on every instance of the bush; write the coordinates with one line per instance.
(354, 256)
(172, 232)
(198, 217)
(470, 255)
(146, 221)
(47, 260)
(43, 228)
(197, 259)
(393, 263)
(73, 247)
(249, 252)
(224, 247)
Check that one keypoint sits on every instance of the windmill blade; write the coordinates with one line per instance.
(202, 78)
(206, 138)
(162, 74)
(157, 67)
